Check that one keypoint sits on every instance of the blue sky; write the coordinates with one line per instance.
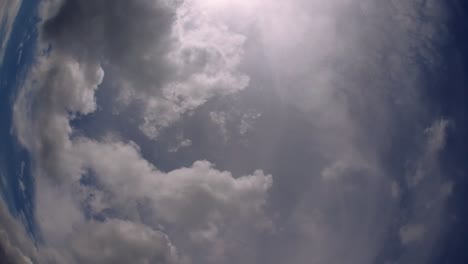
(19, 50)
(207, 131)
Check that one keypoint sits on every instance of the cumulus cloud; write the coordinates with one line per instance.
(170, 59)
(173, 195)
(113, 241)
(197, 200)
(207, 206)
(207, 57)
(118, 241)
(164, 55)
(58, 89)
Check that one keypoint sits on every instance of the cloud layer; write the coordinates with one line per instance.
(327, 98)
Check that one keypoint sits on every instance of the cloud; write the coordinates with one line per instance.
(112, 241)
(15, 245)
(172, 196)
(207, 57)
(427, 189)
(58, 89)
(350, 80)
(435, 143)
(171, 60)
(340, 94)
(8, 11)
(395, 190)
(182, 143)
(197, 200)
(165, 56)
(117, 241)
(411, 233)
(207, 206)
(220, 119)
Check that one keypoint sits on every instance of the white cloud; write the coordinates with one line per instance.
(58, 89)
(169, 58)
(326, 62)
(194, 198)
(61, 86)
(207, 57)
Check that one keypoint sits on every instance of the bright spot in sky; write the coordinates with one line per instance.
(229, 9)
(223, 4)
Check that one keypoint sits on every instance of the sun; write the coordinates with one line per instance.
(232, 5)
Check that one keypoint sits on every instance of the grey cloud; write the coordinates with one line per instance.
(411, 233)
(341, 88)
(205, 205)
(58, 89)
(198, 200)
(15, 245)
(67, 237)
(131, 36)
(428, 188)
(160, 54)
(356, 75)
(117, 241)
(136, 43)
(112, 241)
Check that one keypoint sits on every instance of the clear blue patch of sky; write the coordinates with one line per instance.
(14, 160)
(450, 100)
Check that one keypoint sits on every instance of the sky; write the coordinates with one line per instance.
(8, 11)
(217, 131)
